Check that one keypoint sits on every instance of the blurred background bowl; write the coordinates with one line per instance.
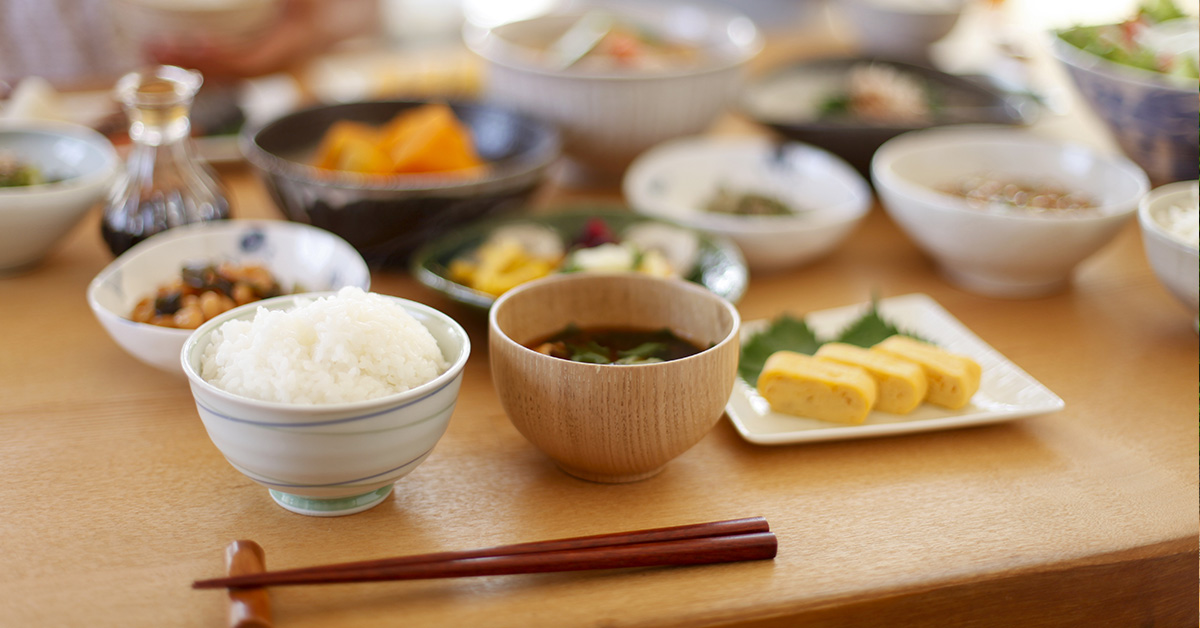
(789, 101)
(386, 217)
(679, 179)
(1151, 116)
(900, 29)
(1173, 257)
(1009, 254)
(607, 117)
(300, 257)
(229, 24)
(330, 459)
(33, 218)
(604, 422)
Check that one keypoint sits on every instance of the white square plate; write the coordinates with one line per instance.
(1005, 392)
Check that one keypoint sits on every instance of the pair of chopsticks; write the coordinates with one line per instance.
(696, 544)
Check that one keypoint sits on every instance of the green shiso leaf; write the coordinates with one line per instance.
(786, 333)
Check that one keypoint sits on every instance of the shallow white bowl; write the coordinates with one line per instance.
(676, 180)
(608, 117)
(1174, 261)
(900, 29)
(1002, 255)
(299, 256)
(329, 459)
(34, 218)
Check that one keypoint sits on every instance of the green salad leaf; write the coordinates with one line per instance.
(788, 333)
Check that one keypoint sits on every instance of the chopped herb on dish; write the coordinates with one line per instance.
(726, 201)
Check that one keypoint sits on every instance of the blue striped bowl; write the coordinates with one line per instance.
(329, 459)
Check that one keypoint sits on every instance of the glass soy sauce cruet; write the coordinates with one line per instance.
(164, 184)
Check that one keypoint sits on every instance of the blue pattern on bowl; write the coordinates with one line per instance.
(1153, 119)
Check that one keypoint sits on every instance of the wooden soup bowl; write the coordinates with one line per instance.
(613, 423)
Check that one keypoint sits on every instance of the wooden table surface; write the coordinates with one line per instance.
(113, 499)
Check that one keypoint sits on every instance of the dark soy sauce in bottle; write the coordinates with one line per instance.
(165, 184)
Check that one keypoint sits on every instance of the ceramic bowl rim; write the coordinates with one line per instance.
(168, 237)
(77, 132)
(851, 211)
(316, 411)
(540, 156)
(936, 139)
(1150, 225)
(696, 289)
(486, 42)
(1076, 57)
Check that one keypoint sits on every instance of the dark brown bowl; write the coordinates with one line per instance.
(961, 100)
(386, 217)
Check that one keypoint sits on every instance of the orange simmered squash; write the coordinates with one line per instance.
(342, 142)
(428, 138)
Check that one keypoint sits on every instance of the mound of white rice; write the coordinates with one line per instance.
(351, 346)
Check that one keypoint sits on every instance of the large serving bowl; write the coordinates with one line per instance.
(609, 423)
(677, 180)
(1151, 116)
(608, 117)
(900, 30)
(329, 459)
(1002, 254)
(1175, 260)
(33, 218)
(299, 256)
(385, 217)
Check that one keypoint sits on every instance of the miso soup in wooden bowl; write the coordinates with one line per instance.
(612, 422)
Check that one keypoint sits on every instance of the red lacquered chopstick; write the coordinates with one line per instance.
(611, 540)
(700, 551)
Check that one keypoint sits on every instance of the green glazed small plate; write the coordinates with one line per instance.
(719, 267)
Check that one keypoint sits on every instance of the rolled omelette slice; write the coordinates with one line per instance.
(801, 385)
(900, 385)
(953, 378)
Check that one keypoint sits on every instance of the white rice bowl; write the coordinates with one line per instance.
(352, 346)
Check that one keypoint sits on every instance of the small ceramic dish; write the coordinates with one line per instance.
(1174, 259)
(329, 459)
(298, 256)
(77, 163)
(790, 102)
(677, 180)
(719, 265)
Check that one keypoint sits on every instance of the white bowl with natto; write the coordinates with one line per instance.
(329, 459)
(1007, 254)
(677, 179)
(299, 256)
